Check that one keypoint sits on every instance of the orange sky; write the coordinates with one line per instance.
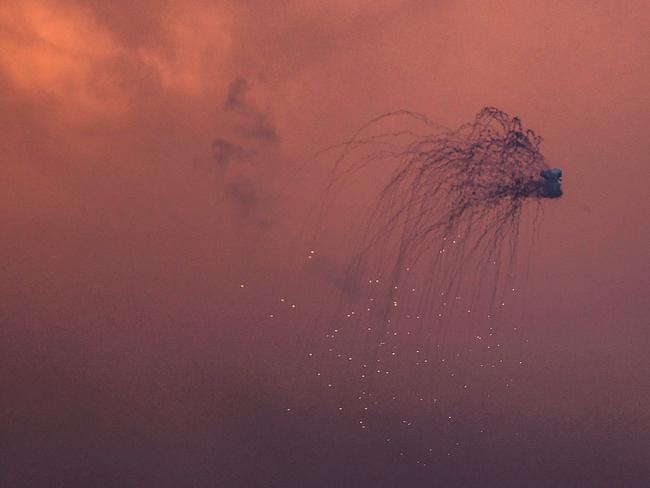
(125, 227)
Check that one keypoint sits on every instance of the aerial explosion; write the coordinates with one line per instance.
(417, 323)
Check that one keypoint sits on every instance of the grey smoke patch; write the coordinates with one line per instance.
(247, 153)
(257, 124)
(328, 270)
(262, 130)
(225, 152)
(236, 94)
(245, 193)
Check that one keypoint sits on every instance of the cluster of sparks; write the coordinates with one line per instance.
(362, 386)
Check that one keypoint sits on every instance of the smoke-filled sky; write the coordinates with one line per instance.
(149, 153)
